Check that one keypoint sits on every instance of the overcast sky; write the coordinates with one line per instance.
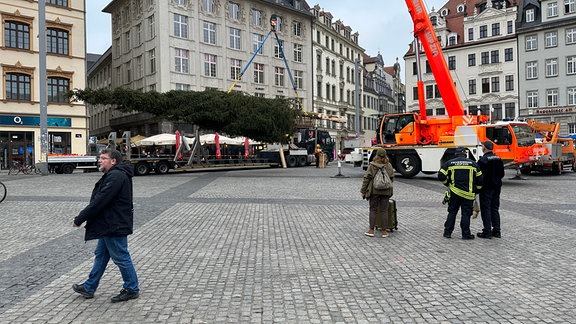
(384, 26)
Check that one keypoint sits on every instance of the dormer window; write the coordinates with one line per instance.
(530, 15)
(434, 20)
(444, 12)
(460, 8)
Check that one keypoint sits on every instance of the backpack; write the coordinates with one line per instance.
(382, 180)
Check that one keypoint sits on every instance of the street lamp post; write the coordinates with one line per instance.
(42, 80)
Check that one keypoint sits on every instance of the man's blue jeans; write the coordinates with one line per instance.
(117, 249)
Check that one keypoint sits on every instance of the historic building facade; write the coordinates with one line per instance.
(547, 62)
(205, 44)
(20, 87)
(480, 47)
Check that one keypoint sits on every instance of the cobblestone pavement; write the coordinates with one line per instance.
(287, 245)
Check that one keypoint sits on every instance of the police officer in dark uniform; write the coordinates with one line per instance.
(463, 178)
(492, 169)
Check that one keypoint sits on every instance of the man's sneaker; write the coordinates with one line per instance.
(485, 235)
(496, 234)
(82, 291)
(467, 236)
(370, 233)
(124, 296)
(384, 233)
(447, 235)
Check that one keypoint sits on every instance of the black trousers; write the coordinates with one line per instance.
(454, 204)
(490, 209)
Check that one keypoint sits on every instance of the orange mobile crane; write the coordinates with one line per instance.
(561, 153)
(418, 143)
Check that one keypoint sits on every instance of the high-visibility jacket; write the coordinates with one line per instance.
(462, 176)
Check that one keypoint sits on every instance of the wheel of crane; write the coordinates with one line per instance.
(292, 162)
(302, 161)
(408, 165)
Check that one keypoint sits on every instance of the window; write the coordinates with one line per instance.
(485, 85)
(552, 9)
(18, 86)
(531, 43)
(569, 6)
(452, 40)
(551, 67)
(510, 110)
(259, 73)
(297, 28)
(210, 65)
(452, 62)
(495, 56)
(57, 41)
(532, 99)
(508, 54)
(56, 89)
(471, 87)
(16, 35)
(571, 65)
(234, 10)
(208, 5)
(299, 79)
(180, 26)
(279, 25)
(152, 60)
(471, 59)
(127, 42)
(531, 70)
(510, 27)
(483, 31)
(552, 98)
(180, 3)
(495, 29)
(509, 82)
(139, 67)
(151, 28)
(495, 84)
(235, 38)
(485, 57)
(256, 17)
(62, 3)
(298, 48)
(551, 39)
(470, 34)
(181, 60)
(530, 15)
(279, 76)
(257, 41)
(571, 97)
(209, 33)
(570, 35)
(235, 69)
(182, 86)
(138, 34)
(277, 49)
(496, 111)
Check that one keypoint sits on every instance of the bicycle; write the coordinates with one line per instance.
(2, 192)
(18, 167)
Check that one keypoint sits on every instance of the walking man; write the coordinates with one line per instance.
(109, 218)
(492, 169)
(463, 179)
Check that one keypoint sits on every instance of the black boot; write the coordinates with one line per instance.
(484, 234)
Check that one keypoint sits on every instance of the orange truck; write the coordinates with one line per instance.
(560, 155)
(418, 143)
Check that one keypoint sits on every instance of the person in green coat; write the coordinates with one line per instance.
(378, 198)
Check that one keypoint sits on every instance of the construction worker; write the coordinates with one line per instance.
(464, 179)
(492, 169)
(317, 153)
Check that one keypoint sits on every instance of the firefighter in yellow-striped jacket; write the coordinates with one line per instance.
(464, 179)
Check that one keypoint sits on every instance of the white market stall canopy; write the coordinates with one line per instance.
(161, 139)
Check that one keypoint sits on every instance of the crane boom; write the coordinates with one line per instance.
(424, 33)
